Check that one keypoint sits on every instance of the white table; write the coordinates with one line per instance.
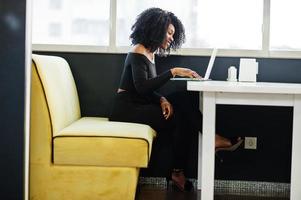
(239, 93)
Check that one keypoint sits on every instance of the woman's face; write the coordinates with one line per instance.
(169, 36)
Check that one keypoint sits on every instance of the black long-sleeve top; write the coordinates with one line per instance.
(139, 77)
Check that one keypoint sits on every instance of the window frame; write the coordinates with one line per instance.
(112, 48)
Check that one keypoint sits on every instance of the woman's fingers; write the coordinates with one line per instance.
(195, 75)
(166, 111)
(169, 111)
(189, 73)
(163, 109)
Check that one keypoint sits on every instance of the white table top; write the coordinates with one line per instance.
(244, 87)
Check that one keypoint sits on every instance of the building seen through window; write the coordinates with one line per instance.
(67, 22)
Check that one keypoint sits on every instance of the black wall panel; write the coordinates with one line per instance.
(12, 84)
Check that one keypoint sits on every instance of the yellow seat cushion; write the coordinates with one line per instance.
(96, 141)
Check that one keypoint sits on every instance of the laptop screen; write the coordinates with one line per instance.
(210, 65)
(208, 70)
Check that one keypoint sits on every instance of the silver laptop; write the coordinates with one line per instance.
(208, 71)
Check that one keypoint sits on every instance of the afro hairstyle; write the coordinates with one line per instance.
(150, 30)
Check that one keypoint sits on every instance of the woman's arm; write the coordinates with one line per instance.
(145, 85)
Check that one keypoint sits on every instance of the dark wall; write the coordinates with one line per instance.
(12, 84)
(97, 77)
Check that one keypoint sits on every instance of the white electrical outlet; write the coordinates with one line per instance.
(250, 142)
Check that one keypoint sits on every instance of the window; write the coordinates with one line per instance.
(67, 22)
(127, 11)
(231, 24)
(285, 30)
(252, 28)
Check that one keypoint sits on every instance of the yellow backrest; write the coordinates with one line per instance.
(40, 124)
(60, 90)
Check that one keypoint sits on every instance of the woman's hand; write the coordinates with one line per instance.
(186, 72)
(166, 108)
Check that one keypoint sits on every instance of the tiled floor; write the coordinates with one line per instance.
(148, 193)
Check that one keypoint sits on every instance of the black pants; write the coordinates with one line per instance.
(132, 108)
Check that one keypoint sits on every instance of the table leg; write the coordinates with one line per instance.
(208, 146)
(296, 150)
(199, 186)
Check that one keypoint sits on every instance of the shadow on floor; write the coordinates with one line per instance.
(148, 193)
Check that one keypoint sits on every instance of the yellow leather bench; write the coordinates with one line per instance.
(74, 157)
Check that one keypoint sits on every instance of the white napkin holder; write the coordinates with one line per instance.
(248, 70)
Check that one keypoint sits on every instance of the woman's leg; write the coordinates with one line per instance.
(129, 108)
(151, 114)
(182, 138)
(181, 143)
(187, 105)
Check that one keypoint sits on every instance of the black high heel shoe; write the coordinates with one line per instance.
(179, 173)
